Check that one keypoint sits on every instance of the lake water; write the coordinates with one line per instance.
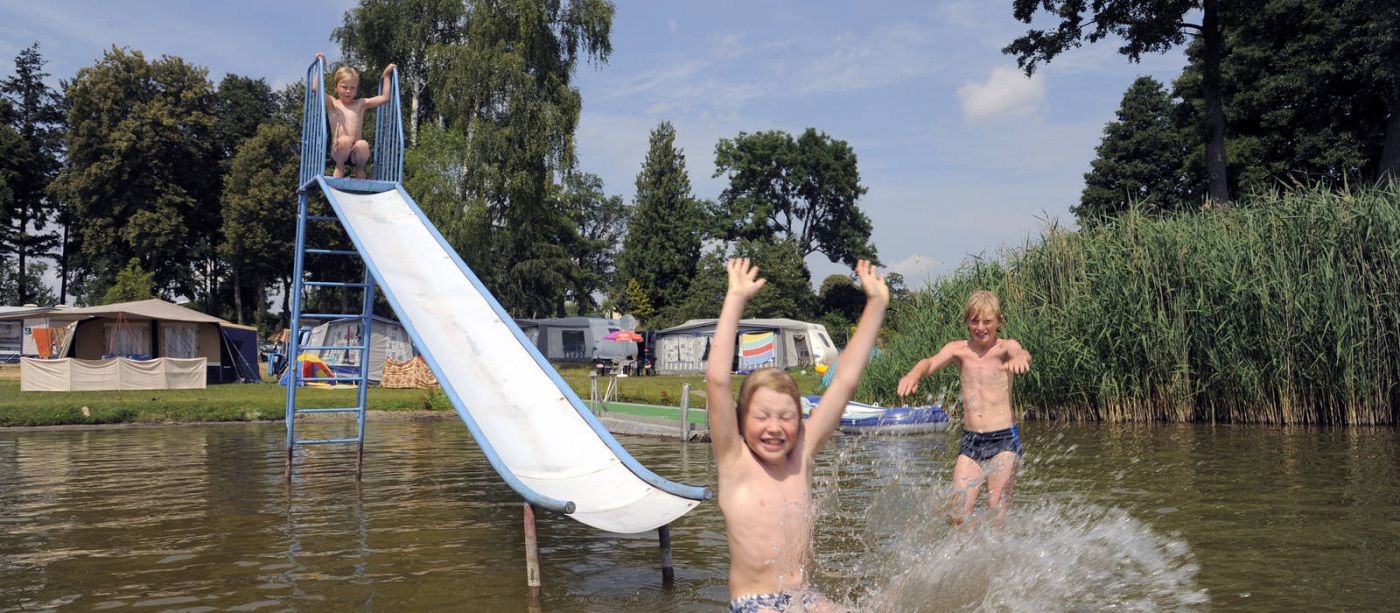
(1106, 517)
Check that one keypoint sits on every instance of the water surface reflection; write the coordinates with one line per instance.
(1136, 518)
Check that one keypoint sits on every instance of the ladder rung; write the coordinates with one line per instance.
(345, 380)
(322, 218)
(334, 251)
(326, 440)
(344, 410)
(336, 348)
(333, 283)
(336, 315)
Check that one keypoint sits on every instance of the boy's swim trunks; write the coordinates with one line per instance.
(754, 603)
(983, 446)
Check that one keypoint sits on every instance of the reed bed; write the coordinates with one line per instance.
(1281, 309)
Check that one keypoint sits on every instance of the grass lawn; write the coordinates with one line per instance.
(266, 401)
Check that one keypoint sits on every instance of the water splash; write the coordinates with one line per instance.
(1055, 551)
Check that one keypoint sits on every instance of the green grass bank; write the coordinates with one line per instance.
(265, 401)
(1280, 309)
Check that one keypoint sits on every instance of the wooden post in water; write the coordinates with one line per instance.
(685, 412)
(668, 572)
(532, 556)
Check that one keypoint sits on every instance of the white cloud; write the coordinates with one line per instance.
(1006, 92)
(918, 270)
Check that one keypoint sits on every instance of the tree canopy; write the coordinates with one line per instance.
(507, 88)
(376, 33)
(1141, 159)
(141, 173)
(804, 190)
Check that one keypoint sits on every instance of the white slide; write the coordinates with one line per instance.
(532, 427)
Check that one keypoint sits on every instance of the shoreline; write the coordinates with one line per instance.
(616, 423)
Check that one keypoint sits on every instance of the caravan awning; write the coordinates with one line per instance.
(141, 309)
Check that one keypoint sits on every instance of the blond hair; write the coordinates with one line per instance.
(768, 378)
(982, 302)
(345, 72)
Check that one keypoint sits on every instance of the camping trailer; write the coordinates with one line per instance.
(577, 339)
(778, 343)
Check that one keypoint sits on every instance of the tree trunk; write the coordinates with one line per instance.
(63, 264)
(1217, 185)
(413, 116)
(237, 298)
(286, 301)
(1389, 169)
(19, 274)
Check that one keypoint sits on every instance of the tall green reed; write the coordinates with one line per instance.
(1281, 309)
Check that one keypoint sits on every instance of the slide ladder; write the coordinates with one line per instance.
(534, 430)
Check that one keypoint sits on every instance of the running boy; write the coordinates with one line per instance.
(991, 447)
(347, 116)
(764, 451)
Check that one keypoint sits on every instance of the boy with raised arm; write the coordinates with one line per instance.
(346, 115)
(764, 452)
(990, 451)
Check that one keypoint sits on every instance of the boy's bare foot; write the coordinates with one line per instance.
(359, 172)
(339, 171)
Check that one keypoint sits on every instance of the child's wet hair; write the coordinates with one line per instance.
(770, 378)
(982, 302)
(345, 72)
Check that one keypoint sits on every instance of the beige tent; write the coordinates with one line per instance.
(100, 337)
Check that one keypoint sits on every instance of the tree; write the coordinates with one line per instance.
(131, 284)
(10, 281)
(241, 105)
(380, 32)
(664, 234)
(30, 163)
(1140, 159)
(260, 214)
(1313, 91)
(635, 301)
(704, 296)
(141, 171)
(788, 292)
(803, 190)
(602, 222)
(838, 294)
(507, 88)
(1146, 26)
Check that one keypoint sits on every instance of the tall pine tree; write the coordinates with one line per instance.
(30, 163)
(662, 248)
(1140, 160)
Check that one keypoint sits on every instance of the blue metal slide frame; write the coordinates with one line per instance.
(390, 150)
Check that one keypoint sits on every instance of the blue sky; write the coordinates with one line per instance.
(961, 153)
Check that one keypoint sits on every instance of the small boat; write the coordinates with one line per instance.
(861, 418)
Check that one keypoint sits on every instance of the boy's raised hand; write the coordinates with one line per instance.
(873, 284)
(743, 278)
(390, 68)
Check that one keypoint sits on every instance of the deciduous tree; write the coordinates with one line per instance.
(507, 88)
(260, 214)
(804, 190)
(142, 171)
(377, 33)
